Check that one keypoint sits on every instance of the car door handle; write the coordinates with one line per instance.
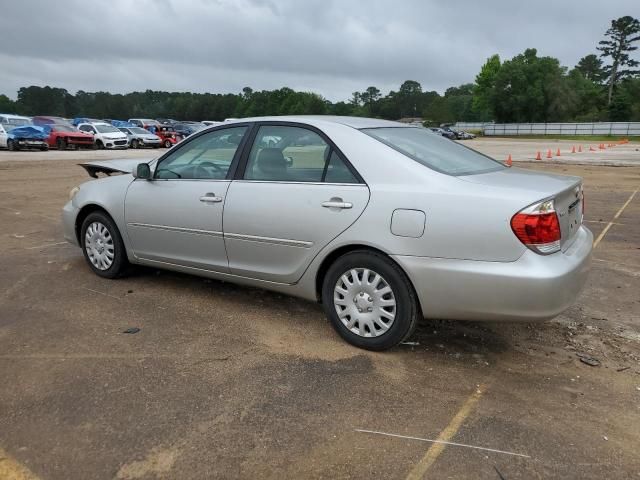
(337, 204)
(210, 198)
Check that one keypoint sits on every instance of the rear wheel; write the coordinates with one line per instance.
(12, 146)
(134, 143)
(102, 246)
(167, 144)
(61, 143)
(369, 300)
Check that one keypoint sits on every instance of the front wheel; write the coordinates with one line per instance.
(134, 143)
(12, 146)
(102, 246)
(167, 144)
(369, 300)
(62, 144)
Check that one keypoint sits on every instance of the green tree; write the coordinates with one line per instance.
(483, 89)
(410, 98)
(369, 98)
(590, 66)
(617, 45)
(6, 104)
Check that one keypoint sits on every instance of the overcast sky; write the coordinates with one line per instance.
(332, 47)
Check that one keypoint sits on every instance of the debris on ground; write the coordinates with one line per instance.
(132, 330)
(588, 359)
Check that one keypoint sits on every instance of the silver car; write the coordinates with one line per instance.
(139, 137)
(381, 222)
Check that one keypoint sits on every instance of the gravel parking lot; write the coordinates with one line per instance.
(224, 381)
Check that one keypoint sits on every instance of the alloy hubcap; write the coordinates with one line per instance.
(99, 246)
(365, 302)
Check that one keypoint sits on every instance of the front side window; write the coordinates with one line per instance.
(434, 151)
(207, 157)
(87, 128)
(294, 154)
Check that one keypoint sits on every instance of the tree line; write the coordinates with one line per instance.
(525, 88)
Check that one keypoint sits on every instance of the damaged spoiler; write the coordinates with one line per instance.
(110, 167)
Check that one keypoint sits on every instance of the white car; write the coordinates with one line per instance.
(211, 123)
(4, 128)
(14, 120)
(105, 135)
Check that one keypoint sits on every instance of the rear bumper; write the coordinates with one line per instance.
(534, 287)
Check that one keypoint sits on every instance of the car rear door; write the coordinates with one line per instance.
(176, 217)
(293, 194)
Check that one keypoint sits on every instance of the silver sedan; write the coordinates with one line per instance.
(381, 222)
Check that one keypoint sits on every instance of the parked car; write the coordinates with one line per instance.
(105, 135)
(443, 133)
(143, 122)
(186, 129)
(14, 120)
(48, 120)
(139, 137)
(462, 135)
(27, 137)
(167, 134)
(381, 222)
(65, 136)
(4, 133)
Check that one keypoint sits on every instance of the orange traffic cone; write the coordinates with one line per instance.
(509, 162)
(558, 153)
(549, 154)
(601, 146)
(579, 148)
(573, 149)
(538, 156)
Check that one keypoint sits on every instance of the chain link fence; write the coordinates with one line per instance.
(594, 128)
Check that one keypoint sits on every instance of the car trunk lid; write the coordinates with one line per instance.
(566, 191)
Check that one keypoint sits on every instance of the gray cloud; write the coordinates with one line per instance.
(332, 47)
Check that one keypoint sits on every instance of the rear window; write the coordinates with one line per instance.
(434, 151)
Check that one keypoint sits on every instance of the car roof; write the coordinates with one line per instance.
(319, 120)
(9, 115)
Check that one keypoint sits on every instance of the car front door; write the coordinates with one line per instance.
(296, 193)
(176, 217)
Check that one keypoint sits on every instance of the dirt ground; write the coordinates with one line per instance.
(224, 381)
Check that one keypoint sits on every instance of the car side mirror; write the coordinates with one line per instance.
(143, 171)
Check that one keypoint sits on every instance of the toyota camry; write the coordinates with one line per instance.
(380, 222)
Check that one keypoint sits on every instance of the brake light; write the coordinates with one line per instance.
(538, 227)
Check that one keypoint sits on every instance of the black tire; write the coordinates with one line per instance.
(120, 264)
(61, 143)
(167, 144)
(99, 145)
(407, 310)
(11, 145)
(134, 143)
(44, 148)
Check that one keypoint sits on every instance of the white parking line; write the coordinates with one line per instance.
(615, 217)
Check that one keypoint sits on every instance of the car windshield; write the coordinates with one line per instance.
(106, 129)
(139, 131)
(434, 151)
(63, 128)
(18, 122)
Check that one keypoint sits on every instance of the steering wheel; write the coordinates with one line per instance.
(201, 168)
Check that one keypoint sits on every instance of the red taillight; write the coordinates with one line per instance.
(538, 227)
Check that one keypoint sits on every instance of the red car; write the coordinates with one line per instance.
(66, 136)
(167, 134)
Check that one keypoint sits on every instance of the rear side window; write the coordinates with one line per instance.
(434, 151)
(295, 154)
